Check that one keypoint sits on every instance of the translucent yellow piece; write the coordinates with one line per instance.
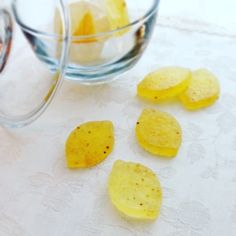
(86, 19)
(165, 83)
(86, 27)
(89, 144)
(203, 90)
(84, 14)
(117, 13)
(135, 190)
(159, 133)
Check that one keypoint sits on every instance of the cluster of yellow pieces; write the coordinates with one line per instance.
(90, 19)
(133, 188)
(90, 143)
(159, 133)
(196, 90)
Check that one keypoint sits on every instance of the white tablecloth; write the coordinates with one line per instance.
(41, 197)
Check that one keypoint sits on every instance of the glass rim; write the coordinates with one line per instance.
(152, 10)
(18, 121)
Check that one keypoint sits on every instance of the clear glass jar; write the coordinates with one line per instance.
(35, 56)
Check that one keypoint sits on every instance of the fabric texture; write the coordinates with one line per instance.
(40, 196)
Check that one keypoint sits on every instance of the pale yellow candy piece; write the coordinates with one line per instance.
(78, 10)
(135, 190)
(159, 133)
(203, 90)
(87, 50)
(92, 18)
(165, 83)
(117, 13)
(86, 19)
(89, 144)
(108, 15)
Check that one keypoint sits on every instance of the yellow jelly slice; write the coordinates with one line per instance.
(86, 27)
(165, 83)
(203, 90)
(135, 190)
(159, 133)
(89, 144)
(117, 13)
(86, 19)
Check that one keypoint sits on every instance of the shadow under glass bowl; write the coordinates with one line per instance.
(92, 61)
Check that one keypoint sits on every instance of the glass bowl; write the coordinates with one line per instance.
(95, 58)
(36, 57)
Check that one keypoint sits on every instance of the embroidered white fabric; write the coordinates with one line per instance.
(40, 196)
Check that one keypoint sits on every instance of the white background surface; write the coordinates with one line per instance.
(40, 196)
(214, 12)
